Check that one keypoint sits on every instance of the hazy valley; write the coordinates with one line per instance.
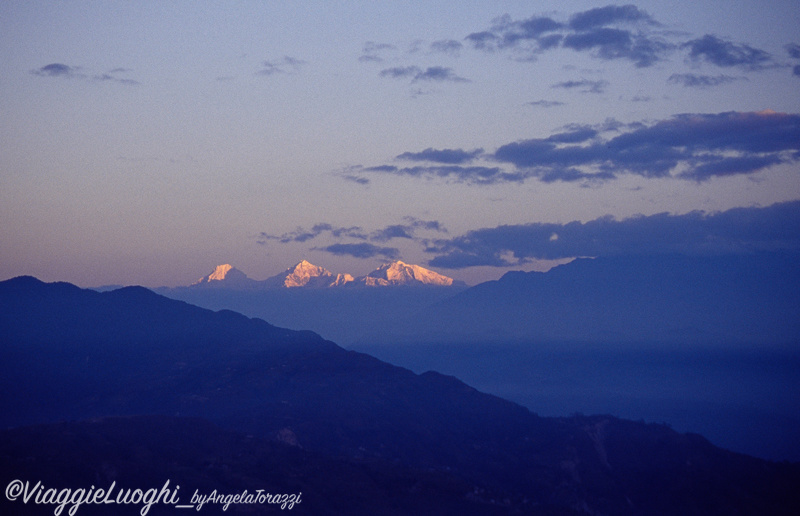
(405, 440)
(704, 343)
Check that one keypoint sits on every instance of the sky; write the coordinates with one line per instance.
(146, 142)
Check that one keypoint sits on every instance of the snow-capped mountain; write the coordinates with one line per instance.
(399, 273)
(225, 275)
(306, 274)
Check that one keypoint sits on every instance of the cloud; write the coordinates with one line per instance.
(447, 156)
(611, 14)
(355, 179)
(545, 103)
(439, 73)
(739, 230)
(75, 72)
(603, 31)
(576, 134)
(609, 43)
(407, 230)
(415, 73)
(302, 235)
(110, 77)
(794, 51)
(400, 72)
(586, 85)
(57, 70)
(507, 33)
(725, 54)
(371, 51)
(694, 147)
(362, 250)
(285, 65)
(616, 33)
(691, 80)
(485, 40)
(393, 231)
(730, 166)
(470, 174)
(433, 225)
(447, 46)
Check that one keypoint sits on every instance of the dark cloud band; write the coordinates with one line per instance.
(694, 147)
(362, 250)
(61, 70)
(739, 230)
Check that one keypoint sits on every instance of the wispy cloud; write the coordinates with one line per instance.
(374, 52)
(694, 147)
(448, 156)
(58, 70)
(611, 32)
(469, 174)
(400, 72)
(355, 179)
(608, 15)
(794, 51)
(286, 64)
(302, 235)
(615, 32)
(111, 77)
(408, 229)
(739, 230)
(416, 74)
(361, 250)
(447, 46)
(61, 70)
(715, 50)
(609, 43)
(545, 103)
(691, 80)
(584, 85)
(534, 34)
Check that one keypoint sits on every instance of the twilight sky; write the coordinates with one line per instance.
(145, 142)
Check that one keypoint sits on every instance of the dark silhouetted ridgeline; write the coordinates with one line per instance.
(379, 436)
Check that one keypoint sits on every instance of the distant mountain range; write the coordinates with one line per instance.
(97, 387)
(668, 298)
(308, 275)
(718, 299)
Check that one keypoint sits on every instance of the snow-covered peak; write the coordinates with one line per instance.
(400, 273)
(225, 273)
(303, 273)
(306, 274)
(220, 271)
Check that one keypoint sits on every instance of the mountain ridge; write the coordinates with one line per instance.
(751, 298)
(74, 354)
(662, 298)
(304, 274)
(400, 273)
